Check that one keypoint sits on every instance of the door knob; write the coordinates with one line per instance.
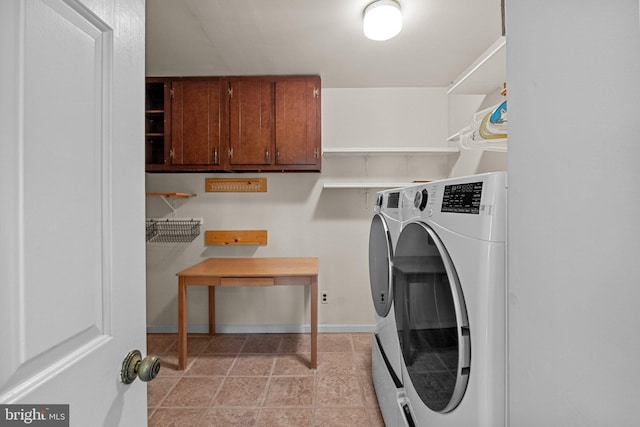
(134, 366)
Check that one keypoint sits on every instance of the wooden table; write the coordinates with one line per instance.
(214, 272)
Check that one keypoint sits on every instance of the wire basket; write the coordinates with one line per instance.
(172, 230)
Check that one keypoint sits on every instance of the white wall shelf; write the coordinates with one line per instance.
(442, 154)
(485, 74)
(364, 185)
(365, 152)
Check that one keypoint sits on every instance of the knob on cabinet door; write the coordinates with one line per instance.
(134, 366)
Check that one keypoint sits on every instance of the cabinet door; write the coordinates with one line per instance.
(250, 121)
(196, 122)
(298, 121)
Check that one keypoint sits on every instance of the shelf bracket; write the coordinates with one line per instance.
(171, 205)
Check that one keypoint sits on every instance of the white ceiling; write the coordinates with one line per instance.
(439, 39)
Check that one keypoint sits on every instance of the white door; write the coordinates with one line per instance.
(72, 292)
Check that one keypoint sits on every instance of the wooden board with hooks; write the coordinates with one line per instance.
(235, 185)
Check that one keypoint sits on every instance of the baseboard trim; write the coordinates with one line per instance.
(259, 329)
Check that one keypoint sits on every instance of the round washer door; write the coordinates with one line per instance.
(380, 253)
(431, 318)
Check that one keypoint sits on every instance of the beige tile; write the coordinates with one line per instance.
(375, 416)
(363, 362)
(286, 417)
(338, 390)
(293, 364)
(211, 364)
(262, 343)
(295, 343)
(342, 417)
(158, 389)
(362, 342)
(334, 343)
(265, 380)
(336, 363)
(160, 343)
(193, 392)
(242, 391)
(290, 391)
(253, 365)
(225, 343)
(197, 343)
(230, 417)
(169, 364)
(176, 417)
(368, 389)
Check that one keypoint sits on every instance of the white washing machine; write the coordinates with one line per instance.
(449, 300)
(386, 357)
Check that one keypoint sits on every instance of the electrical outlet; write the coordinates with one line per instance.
(324, 297)
(383, 298)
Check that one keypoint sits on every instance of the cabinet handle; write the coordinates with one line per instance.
(230, 152)
(277, 156)
(266, 155)
(215, 155)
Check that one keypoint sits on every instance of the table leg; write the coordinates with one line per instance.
(314, 322)
(182, 324)
(212, 310)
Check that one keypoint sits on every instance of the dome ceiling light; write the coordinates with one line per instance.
(382, 20)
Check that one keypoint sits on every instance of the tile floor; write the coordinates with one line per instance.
(264, 380)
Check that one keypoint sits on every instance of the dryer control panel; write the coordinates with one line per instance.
(474, 206)
(462, 198)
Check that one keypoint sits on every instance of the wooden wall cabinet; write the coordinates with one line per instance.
(274, 123)
(261, 123)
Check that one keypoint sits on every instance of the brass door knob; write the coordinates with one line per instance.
(134, 366)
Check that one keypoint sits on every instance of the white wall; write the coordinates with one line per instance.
(574, 212)
(301, 217)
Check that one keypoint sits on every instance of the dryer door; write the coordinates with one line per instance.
(431, 318)
(380, 252)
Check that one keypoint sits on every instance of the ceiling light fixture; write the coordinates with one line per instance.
(382, 20)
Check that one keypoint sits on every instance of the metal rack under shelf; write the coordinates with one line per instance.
(172, 230)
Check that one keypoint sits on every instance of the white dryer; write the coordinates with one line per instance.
(386, 358)
(449, 300)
